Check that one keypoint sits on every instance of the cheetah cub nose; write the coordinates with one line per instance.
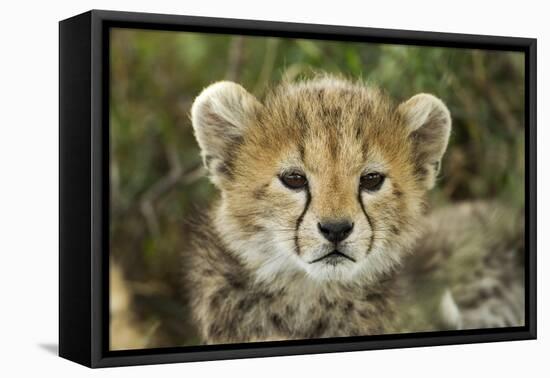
(335, 231)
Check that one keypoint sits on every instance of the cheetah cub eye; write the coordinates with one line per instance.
(371, 182)
(293, 180)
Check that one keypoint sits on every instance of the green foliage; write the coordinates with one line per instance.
(156, 177)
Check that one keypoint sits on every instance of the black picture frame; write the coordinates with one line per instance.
(84, 187)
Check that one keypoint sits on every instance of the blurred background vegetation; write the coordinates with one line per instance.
(157, 179)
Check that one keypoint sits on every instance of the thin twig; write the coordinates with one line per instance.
(165, 184)
(268, 64)
(235, 59)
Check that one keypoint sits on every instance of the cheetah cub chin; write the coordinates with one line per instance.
(323, 188)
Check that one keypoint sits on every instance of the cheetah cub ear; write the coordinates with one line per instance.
(220, 116)
(429, 122)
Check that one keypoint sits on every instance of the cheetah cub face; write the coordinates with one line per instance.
(324, 179)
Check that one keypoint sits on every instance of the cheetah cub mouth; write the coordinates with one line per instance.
(333, 258)
(325, 179)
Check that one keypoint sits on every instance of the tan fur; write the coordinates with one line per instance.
(475, 249)
(251, 273)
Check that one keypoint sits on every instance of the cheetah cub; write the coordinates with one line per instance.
(323, 188)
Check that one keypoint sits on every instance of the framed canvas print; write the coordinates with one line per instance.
(234, 188)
